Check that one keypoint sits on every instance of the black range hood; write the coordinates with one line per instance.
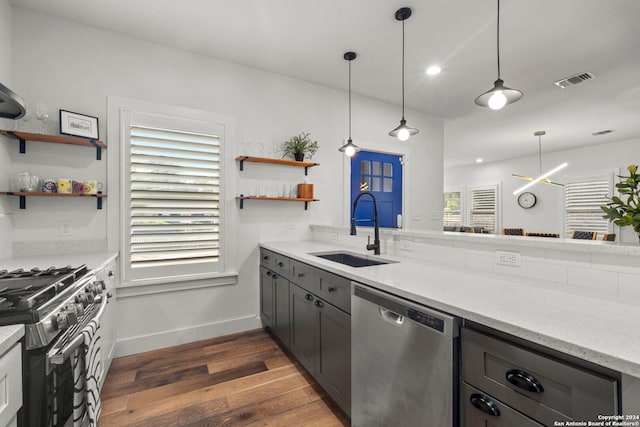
(11, 106)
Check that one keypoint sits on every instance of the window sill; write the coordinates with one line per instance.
(175, 284)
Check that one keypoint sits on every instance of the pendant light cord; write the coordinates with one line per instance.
(498, 39)
(540, 154)
(349, 100)
(403, 69)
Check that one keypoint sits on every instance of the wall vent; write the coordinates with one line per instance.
(574, 80)
(603, 132)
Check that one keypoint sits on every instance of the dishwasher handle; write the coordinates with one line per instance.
(391, 316)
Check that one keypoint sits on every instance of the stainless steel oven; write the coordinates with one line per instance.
(56, 306)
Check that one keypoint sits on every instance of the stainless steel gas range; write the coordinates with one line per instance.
(55, 305)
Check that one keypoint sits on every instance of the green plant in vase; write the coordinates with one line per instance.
(625, 209)
(298, 146)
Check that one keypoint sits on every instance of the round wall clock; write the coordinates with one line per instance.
(527, 200)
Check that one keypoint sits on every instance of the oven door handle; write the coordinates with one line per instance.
(57, 356)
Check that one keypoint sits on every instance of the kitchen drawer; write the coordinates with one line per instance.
(267, 259)
(511, 374)
(481, 410)
(305, 276)
(10, 384)
(335, 290)
(282, 265)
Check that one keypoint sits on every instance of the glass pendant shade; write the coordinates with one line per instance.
(349, 149)
(498, 96)
(403, 132)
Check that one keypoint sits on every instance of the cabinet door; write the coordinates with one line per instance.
(304, 326)
(108, 322)
(333, 364)
(266, 297)
(281, 318)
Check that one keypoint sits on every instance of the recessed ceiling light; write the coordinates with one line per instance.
(433, 70)
(478, 160)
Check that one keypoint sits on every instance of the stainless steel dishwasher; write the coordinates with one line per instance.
(404, 362)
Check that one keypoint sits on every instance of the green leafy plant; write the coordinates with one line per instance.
(300, 145)
(625, 210)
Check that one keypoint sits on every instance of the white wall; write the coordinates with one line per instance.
(5, 79)
(76, 67)
(546, 215)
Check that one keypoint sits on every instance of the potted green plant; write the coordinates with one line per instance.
(625, 210)
(299, 145)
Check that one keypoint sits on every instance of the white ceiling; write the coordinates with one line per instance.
(541, 41)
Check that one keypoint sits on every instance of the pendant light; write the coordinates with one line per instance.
(542, 177)
(349, 149)
(403, 132)
(499, 95)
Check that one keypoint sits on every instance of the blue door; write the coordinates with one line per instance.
(381, 174)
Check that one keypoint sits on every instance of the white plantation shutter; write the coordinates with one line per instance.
(482, 208)
(173, 213)
(583, 199)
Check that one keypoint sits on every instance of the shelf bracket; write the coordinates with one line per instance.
(241, 200)
(241, 169)
(23, 202)
(306, 204)
(99, 199)
(23, 146)
(306, 169)
(98, 148)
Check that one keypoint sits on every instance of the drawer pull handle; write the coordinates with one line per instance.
(266, 257)
(300, 274)
(524, 380)
(319, 303)
(308, 297)
(275, 276)
(485, 404)
(281, 264)
(269, 273)
(332, 289)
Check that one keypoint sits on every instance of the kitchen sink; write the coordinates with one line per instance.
(351, 259)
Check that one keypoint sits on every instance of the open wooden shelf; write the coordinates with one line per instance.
(54, 139)
(283, 162)
(24, 194)
(242, 198)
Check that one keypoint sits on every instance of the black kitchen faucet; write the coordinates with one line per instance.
(376, 233)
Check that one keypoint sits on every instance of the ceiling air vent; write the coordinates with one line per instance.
(574, 80)
(603, 132)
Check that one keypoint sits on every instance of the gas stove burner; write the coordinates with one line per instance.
(35, 272)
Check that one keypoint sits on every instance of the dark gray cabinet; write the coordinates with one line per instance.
(321, 341)
(274, 303)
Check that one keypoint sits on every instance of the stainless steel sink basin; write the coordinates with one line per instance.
(351, 259)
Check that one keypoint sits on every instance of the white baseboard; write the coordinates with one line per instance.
(140, 344)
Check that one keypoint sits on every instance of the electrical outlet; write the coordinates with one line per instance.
(509, 258)
(65, 229)
(291, 223)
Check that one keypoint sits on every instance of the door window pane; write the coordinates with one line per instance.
(388, 169)
(387, 185)
(365, 183)
(376, 184)
(377, 168)
(365, 167)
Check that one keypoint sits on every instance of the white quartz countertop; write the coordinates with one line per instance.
(9, 335)
(93, 260)
(567, 319)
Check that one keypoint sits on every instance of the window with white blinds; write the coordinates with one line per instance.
(483, 208)
(452, 209)
(172, 211)
(583, 198)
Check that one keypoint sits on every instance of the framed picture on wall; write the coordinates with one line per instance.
(75, 124)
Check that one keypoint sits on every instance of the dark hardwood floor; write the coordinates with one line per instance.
(237, 380)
